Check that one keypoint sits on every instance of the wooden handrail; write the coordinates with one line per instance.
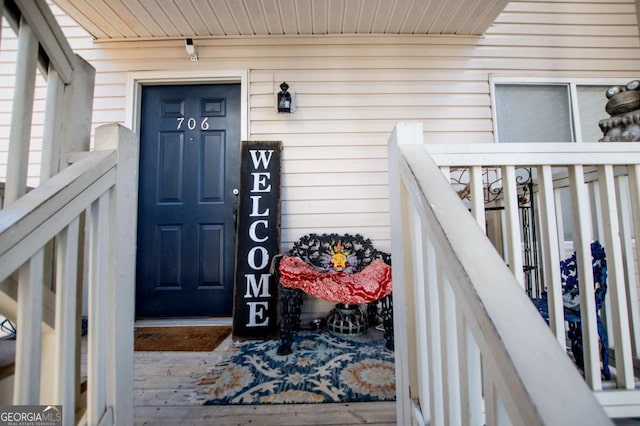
(531, 154)
(38, 216)
(98, 189)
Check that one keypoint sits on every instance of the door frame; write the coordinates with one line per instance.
(135, 81)
(133, 103)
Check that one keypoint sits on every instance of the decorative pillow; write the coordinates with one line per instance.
(368, 285)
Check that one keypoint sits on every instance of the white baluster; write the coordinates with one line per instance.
(615, 270)
(582, 242)
(29, 324)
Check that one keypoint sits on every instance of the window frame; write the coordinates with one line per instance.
(571, 82)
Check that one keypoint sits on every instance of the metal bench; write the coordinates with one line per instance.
(346, 269)
(570, 291)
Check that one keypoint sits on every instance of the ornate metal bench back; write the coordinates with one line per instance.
(569, 274)
(340, 252)
(570, 290)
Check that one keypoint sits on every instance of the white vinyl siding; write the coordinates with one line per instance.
(351, 90)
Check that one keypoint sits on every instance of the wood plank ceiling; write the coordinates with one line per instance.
(133, 19)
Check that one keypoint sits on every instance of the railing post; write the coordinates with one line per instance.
(404, 133)
(121, 291)
(78, 106)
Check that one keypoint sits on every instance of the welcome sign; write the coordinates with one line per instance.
(255, 313)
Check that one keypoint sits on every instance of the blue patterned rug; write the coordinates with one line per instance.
(323, 368)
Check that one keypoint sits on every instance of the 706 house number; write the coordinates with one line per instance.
(192, 123)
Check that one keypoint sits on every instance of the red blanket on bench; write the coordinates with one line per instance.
(368, 285)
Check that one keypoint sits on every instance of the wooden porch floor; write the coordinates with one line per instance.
(164, 382)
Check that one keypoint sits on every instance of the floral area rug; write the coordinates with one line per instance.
(323, 368)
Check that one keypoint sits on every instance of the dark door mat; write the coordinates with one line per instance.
(179, 338)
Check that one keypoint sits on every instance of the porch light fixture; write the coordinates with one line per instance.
(284, 98)
(191, 50)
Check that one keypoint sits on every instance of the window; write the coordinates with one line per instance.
(533, 113)
(547, 110)
(591, 103)
(543, 110)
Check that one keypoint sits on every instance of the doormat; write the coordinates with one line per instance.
(322, 369)
(179, 338)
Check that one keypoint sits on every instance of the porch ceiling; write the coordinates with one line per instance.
(132, 19)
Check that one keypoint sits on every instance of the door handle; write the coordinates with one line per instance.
(235, 219)
(235, 192)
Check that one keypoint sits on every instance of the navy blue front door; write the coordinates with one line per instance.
(189, 169)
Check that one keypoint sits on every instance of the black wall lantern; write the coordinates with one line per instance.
(284, 98)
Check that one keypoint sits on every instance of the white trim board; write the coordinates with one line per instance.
(136, 80)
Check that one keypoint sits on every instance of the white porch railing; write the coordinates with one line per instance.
(81, 210)
(470, 346)
(601, 185)
(75, 232)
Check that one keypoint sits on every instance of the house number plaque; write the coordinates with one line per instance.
(255, 314)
